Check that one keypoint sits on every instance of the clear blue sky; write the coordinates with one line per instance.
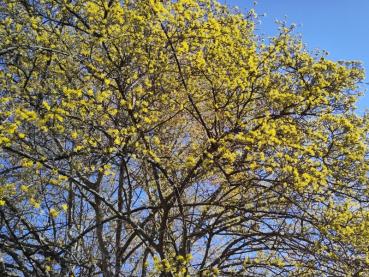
(340, 27)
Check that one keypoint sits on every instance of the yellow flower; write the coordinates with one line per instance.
(53, 212)
(34, 203)
(74, 135)
(24, 188)
(190, 162)
(65, 207)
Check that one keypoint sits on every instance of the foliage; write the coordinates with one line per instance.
(164, 138)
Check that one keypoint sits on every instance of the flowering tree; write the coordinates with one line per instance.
(164, 138)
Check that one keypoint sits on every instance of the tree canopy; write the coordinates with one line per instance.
(166, 138)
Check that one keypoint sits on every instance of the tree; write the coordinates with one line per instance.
(165, 138)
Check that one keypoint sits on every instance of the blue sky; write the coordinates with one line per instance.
(340, 27)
